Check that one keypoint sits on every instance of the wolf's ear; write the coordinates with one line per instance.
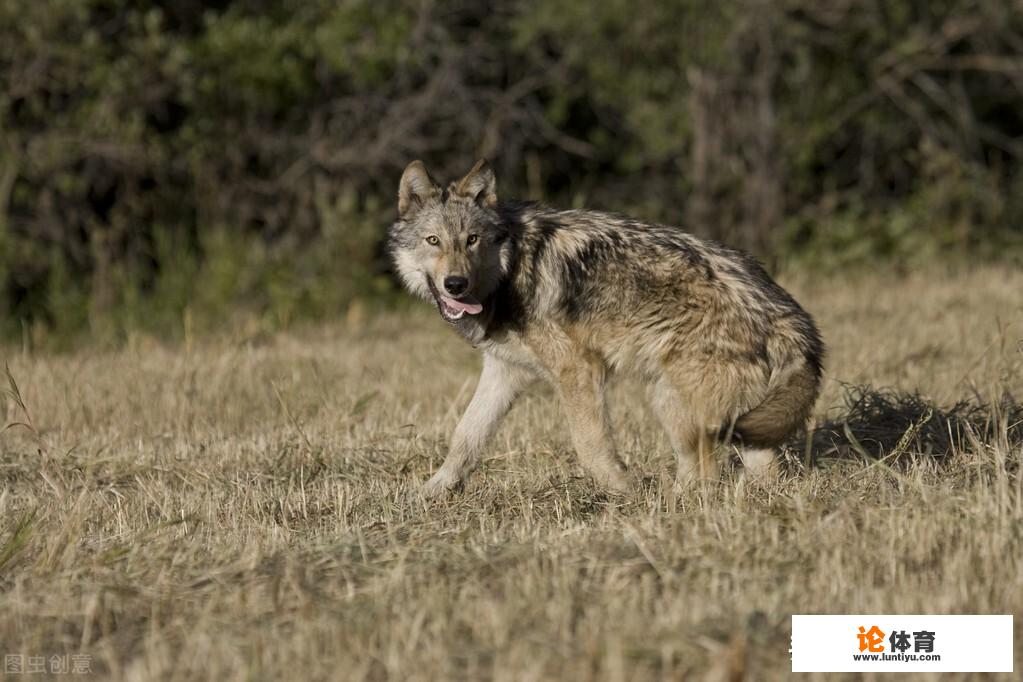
(415, 189)
(479, 184)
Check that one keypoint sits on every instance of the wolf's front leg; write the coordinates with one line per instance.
(500, 384)
(581, 384)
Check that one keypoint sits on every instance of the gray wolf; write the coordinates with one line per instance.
(573, 297)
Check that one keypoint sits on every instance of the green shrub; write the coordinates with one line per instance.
(168, 167)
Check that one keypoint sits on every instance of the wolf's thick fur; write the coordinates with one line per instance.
(574, 296)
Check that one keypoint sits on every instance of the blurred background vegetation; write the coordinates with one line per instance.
(180, 165)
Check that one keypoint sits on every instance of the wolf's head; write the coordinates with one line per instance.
(450, 244)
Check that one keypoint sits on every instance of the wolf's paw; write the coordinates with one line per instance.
(684, 485)
(615, 481)
(690, 480)
(618, 485)
(760, 465)
(438, 487)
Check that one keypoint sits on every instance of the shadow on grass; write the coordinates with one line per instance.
(885, 424)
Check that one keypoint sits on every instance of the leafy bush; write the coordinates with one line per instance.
(170, 161)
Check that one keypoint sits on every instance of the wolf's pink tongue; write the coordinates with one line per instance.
(466, 305)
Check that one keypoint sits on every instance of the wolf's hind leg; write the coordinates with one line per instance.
(690, 439)
(581, 384)
(499, 385)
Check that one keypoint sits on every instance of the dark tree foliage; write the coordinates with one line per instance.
(164, 162)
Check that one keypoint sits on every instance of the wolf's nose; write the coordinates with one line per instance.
(456, 285)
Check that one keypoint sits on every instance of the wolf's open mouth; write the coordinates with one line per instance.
(452, 309)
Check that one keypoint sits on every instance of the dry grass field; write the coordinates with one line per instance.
(243, 507)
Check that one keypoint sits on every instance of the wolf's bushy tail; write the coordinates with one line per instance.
(786, 408)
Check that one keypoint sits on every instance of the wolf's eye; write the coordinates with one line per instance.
(473, 238)
(432, 241)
